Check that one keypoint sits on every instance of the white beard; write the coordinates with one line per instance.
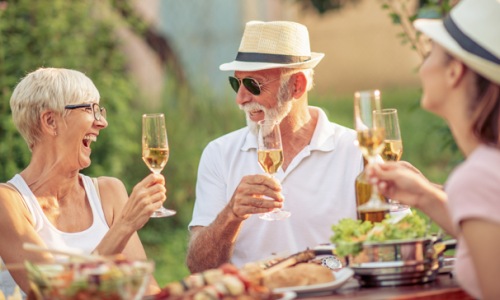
(278, 113)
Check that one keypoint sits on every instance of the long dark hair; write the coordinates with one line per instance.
(485, 112)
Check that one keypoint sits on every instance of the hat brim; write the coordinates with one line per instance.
(257, 66)
(436, 31)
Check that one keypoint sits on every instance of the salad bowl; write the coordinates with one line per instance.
(110, 279)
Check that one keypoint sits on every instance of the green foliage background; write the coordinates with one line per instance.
(74, 34)
(66, 34)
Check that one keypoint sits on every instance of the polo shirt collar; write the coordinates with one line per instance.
(323, 138)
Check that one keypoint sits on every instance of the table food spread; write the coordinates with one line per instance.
(385, 254)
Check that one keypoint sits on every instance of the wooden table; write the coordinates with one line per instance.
(443, 287)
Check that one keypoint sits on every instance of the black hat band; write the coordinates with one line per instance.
(271, 58)
(467, 43)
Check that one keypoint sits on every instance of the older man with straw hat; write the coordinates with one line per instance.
(273, 73)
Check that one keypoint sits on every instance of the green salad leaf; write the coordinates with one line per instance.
(411, 226)
(349, 234)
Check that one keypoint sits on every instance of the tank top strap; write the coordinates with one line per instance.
(94, 199)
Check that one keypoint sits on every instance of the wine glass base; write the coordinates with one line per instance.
(397, 207)
(275, 215)
(163, 212)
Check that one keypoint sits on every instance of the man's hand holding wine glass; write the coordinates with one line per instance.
(248, 196)
(262, 193)
(270, 158)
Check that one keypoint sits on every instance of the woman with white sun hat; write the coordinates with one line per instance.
(461, 84)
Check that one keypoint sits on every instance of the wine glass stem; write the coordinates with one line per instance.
(374, 192)
(272, 176)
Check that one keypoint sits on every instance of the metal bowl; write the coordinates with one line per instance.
(399, 262)
(399, 278)
(412, 251)
(396, 267)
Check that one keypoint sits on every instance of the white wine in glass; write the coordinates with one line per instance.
(393, 150)
(155, 150)
(393, 144)
(270, 157)
(371, 143)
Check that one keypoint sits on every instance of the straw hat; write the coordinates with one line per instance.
(278, 44)
(471, 33)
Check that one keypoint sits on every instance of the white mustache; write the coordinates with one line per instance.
(252, 107)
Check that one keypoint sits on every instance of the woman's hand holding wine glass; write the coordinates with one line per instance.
(393, 144)
(371, 135)
(146, 195)
(270, 157)
(155, 150)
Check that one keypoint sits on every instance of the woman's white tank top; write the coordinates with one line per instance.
(84, 241)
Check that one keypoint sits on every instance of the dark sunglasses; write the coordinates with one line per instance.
(252, 85)
(99, 112)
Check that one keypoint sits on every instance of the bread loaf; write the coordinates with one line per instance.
(299, 275)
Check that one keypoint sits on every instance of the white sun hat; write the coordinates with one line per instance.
(276, 44)
(471, 33)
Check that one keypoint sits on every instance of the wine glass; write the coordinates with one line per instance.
(370, 141)
(270, 156)
(393, 144)
(155, 150)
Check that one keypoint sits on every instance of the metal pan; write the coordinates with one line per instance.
(391, 268)
(396, 279)
(400, 262)
(414, 251)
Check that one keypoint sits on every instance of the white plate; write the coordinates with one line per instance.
(341, 277)
(289, 295)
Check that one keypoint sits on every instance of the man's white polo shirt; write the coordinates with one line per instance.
(318, 186)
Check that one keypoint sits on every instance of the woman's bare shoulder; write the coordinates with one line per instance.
(9, 195)
(12, 206)
(110, 182)
(111, 187)
(113, 196)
